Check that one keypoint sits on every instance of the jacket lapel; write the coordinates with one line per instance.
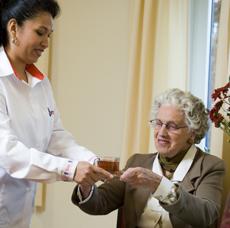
(193, 173)
(141, 195)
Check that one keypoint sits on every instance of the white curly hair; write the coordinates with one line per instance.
(196, 115)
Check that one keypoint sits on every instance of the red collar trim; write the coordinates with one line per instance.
(33, 70)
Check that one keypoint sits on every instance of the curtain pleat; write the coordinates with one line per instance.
(158, 60)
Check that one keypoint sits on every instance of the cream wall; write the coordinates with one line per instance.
(89, 77)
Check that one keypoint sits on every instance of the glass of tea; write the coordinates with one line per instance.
(110, 164)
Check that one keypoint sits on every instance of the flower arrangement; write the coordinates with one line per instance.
(220, 112)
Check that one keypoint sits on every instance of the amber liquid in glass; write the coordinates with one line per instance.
(110, 166)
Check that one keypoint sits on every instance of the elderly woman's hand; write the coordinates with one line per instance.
(141, 177)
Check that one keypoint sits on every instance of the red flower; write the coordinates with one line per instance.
(216, 117)
(221, 92)
(220, 112)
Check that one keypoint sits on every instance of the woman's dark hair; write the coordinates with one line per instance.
(22, 10)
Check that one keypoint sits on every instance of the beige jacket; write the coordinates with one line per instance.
(199, 194)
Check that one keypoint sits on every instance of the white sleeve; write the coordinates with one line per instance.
(81, 200)
(163, 189)
(57, 163)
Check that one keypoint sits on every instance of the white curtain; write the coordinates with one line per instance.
(158, 60)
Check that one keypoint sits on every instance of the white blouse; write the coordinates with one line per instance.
(34, 147)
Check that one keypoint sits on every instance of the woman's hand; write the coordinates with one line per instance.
(141, 177)
(87, 174)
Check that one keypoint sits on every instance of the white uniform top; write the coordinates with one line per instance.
(34, 147)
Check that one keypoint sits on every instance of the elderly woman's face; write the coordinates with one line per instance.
(173, 136)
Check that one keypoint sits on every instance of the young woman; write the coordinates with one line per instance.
(34, 147)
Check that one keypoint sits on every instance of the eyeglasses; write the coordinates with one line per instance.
(170, 126)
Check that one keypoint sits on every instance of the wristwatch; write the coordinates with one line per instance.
(172, 197)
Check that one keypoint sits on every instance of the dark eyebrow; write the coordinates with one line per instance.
(43, 27)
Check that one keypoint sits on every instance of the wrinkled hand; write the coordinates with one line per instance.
(141, 177)
(87, 174)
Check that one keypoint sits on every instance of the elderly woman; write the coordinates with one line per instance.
(179, 186)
